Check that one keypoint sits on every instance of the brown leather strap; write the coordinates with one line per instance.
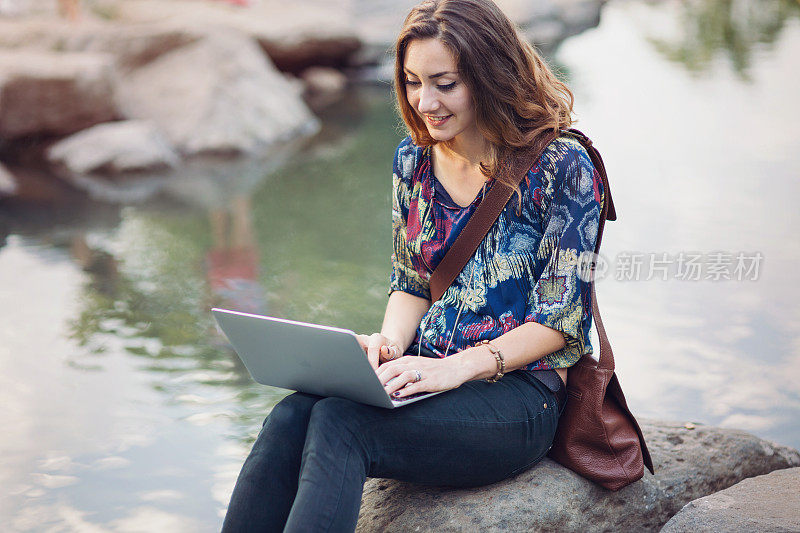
(606, 357)
(481, 220)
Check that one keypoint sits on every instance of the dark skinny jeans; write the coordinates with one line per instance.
(307, 469)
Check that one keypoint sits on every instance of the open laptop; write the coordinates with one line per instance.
(309, 358)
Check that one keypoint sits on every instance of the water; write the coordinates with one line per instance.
(125, 410)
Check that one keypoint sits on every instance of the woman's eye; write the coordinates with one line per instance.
(448, 87)
(412, 83)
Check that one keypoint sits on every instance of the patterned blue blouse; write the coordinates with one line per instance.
(528, 267)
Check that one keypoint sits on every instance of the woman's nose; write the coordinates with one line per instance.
(428, 100)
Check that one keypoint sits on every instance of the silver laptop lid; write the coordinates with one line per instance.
(305, 357)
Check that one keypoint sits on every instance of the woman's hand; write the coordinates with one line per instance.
(434, 375)
(379, 349)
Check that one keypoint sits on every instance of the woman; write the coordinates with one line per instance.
(471, 94)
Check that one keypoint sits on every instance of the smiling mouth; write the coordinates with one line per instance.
(437, 121)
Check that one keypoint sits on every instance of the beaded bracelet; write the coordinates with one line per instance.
(501, 362)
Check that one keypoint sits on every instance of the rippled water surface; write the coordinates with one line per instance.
(123, 409)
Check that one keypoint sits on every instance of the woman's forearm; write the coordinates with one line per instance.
(403, 313)
(520, 346)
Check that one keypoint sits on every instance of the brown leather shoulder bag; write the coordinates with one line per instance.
(597, 436)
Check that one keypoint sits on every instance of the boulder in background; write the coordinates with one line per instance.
(114, 149)
(53, 93)
(296, 35)
(323, 86)
(219, 94)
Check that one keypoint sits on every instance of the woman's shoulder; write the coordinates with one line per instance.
(407, 157)
(563, 158)
(566, 148)
(564, 165)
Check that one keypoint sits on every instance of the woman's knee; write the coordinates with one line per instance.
(337, 416)
(291, 412)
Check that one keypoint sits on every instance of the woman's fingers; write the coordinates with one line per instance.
(418, 374)
(378, 348)
(411, 388)
(400, 381)
(376, 342)
(389, 352)
(363, 341)
(401, 375)
(395, 368)
(405, 375)
(388, 371)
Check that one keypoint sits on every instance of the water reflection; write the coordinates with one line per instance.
(735, 29)
(710, 164)
(239, 236)
(141, 386)
(232, 268)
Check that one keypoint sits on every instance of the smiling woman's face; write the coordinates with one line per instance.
(436, 92)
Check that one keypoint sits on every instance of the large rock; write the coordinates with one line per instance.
(131, 45)
(51, 93)
(767, 504)
(323, 86)
(295, 35)
(219, 94)
(690, 463)
(114, 149)
(567, 18)
(208, 90)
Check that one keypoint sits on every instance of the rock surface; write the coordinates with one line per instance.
(549, 23)
(115, 148)
(208, 90)
(689, 463)
(323, 85)
(52, 93)
(295, 35)
(131, 45)
(219, 94)
(768, 503)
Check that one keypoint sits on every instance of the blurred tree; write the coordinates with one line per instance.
(734, 28)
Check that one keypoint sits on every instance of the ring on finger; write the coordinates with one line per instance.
(418, 376)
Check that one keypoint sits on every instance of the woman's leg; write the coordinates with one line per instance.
(267, 483)
(477, 434)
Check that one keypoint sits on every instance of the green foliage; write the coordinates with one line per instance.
(727, 28)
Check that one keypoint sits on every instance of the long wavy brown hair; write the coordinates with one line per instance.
(519, 102)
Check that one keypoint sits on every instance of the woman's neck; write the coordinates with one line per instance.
(466, 152)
